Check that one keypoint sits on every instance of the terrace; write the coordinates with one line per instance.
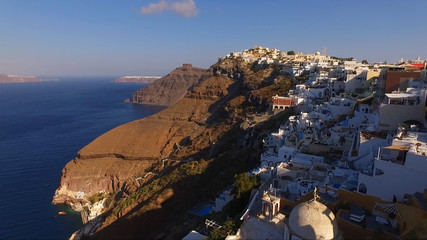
(381, 218)
(394, 153)
(329, 196)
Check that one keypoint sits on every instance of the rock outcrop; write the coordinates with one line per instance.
(138, 79)
(169, 89)
(214, 102)
(82, 178)
(17, 79)
(130, 149)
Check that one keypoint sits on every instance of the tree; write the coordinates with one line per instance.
(364, 61)
(222, 232)
(290, 52)
(244, 183)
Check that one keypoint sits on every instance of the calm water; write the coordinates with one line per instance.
(42, 127)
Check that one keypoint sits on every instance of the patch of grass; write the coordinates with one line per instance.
(96, 197)
(109, 199)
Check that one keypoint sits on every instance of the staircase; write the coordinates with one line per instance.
(418, 199)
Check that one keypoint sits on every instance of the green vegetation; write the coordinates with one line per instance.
(229, 228)
(96, 197)
(343, 59)
(248, 109)
(244, 184)
(365, 61)
(242, 188)
(109, 199)
(290, 52)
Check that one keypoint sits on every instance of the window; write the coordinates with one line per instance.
(362, 188)
(379, 171)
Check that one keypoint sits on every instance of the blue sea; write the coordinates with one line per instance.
(42, 127)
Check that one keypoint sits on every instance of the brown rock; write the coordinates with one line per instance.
(130, 149)
(210, 106)
(169, 89)
(138, 79)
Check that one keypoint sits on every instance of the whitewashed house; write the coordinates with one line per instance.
(398, 169)
(399, 107)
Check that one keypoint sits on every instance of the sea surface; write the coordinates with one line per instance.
(42, 127)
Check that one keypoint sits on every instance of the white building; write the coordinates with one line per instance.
(340, 106)
(223, 199)
(398, 169)
(399, 107)
(355, 80)
(364, 118)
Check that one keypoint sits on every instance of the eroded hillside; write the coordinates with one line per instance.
(179, 146)
(169, 89)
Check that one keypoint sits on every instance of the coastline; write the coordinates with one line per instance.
(43, 127)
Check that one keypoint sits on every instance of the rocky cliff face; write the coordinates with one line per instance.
(120, 160)
(17, 79)
(138, 79)
(130, 150)
(169, 89)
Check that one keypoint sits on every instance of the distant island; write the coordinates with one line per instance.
(139, 79)
(4, 78)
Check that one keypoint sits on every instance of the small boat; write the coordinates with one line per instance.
(62, 213)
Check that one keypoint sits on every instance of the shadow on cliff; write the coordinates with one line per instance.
(161, 221)
(168, 218)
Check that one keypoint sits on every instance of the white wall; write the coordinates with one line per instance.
(392, 115)
(396, 180)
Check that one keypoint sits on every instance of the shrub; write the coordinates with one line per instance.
(244, 183)
(222, 232)
(96, 197)
(109, 199)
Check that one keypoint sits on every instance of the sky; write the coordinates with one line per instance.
(153, 37)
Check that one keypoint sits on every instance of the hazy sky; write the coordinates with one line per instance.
(144, 37)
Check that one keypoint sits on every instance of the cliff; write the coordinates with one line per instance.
(138, 79)
(170, 88)
(128, 150)
(17, 79)
(160, 165)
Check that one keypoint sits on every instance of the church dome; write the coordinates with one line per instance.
(313, 220)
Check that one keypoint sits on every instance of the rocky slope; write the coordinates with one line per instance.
(169, 89)
(138, 79)
(17, 79)
(194, 128)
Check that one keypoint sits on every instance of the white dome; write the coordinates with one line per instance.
(313, 220)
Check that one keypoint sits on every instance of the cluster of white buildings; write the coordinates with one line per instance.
(350, 135)
(293, 60)
(359, 134)
(341, 116)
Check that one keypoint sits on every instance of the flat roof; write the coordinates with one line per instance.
(399, 147)
(401, 95)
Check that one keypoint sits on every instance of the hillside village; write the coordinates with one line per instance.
(351, 159)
